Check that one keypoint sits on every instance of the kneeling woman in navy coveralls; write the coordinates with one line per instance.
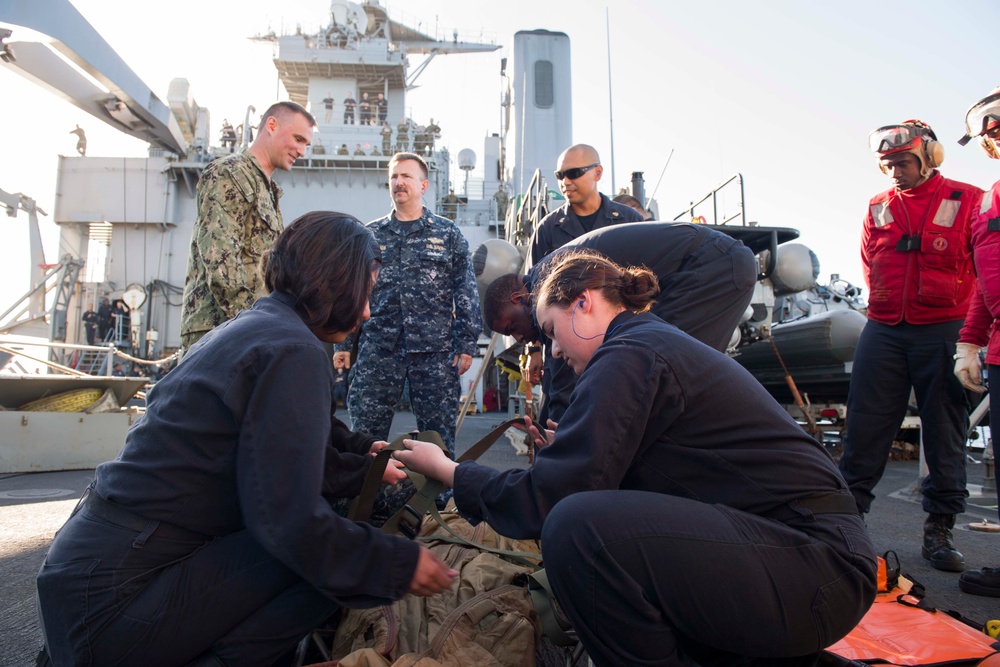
(210, 538)
(685, 518)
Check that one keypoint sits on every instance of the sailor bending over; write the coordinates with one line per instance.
(685, 518)
(706, 281)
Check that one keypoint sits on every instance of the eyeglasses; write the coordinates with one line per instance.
(575, 172)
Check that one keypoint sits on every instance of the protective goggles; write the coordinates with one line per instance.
(982, 116)
(575, 172)
(895, 137)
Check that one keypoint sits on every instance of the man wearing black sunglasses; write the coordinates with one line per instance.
(586, 209)
(579, 169)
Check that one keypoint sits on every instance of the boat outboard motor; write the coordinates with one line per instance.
(796, 270)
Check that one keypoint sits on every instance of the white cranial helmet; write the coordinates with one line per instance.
(492, 259)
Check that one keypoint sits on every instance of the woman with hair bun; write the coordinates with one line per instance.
(210, 539)
(685, 518)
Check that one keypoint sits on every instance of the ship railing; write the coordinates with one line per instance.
(50, 354)
(369, 52)
(527, 210)
(713, 197)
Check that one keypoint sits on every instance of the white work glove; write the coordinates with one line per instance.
(968, 368)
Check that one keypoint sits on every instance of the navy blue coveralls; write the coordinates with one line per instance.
(706, 282)
(211, 533)
(684, 516)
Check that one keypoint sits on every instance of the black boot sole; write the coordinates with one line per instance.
(943, 565)
(976, 589)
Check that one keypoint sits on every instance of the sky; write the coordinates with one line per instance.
(784, 93)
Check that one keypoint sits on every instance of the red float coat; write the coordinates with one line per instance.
(984, 309)
(917, 254)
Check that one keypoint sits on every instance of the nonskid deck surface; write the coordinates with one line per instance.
(34, 506)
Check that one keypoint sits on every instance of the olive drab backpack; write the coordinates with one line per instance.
(487, 617)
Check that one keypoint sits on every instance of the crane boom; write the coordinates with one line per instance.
(79, 66)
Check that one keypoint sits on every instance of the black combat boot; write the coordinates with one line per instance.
(938, 547)
(981, 582)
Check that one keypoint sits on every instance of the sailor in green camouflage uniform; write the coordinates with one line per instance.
(386, 138)
(403, 135)
(238, 222)
(425, 315)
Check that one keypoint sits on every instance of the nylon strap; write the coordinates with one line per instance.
(554, 627)
(361, 507)
(407, 520)
(427, 490)
(525, 558)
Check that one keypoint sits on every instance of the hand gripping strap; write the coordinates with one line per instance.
(361, 508)
(407, 520)
(410, 516)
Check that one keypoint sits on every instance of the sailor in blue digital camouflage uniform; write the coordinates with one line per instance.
(425, 316)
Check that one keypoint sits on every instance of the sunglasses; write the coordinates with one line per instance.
(575, 172)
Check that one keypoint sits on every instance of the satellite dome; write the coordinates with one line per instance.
(467, 159)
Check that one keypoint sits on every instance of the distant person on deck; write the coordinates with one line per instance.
(432, 132)
(916, 252)
(103, 318)
(449, 205)
(386, 133)
(328, 108)
(349, 103)
(403, 136)
(501, 198)
(81, 141)
(90, 321)
(238, 221)
(382, 109)
(365, 110)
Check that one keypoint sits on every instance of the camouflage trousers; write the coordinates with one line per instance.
(377, 380)
(389, 500)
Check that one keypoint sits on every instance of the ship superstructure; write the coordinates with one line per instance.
(129, 220)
